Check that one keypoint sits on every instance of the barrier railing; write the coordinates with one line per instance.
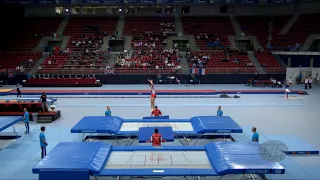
(141, 71)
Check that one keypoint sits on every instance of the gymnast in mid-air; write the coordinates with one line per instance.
(153, 94)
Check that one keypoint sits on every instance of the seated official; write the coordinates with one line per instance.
(156, 112)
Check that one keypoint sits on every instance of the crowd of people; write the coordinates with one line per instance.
(89, 42)
(211, 40)
(201, 60)
(24, 65)
(164, 59)
(153, 40)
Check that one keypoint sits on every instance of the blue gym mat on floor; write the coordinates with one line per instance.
(74, 161)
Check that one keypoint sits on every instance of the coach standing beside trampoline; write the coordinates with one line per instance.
(26, 120)
(255, 135)
(43, 142)
(108, 111)
(18, 90)
(44, 102)
(219, 111)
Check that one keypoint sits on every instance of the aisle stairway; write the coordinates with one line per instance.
(34, 68)
(178, 24)
(184, 63)
(256, 63)
(120, 25)
(289, 24)
(236, 26)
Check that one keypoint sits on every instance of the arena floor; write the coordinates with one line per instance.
(271, 114)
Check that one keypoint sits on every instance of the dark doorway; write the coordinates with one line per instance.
(245, 45)
(116, 45)
(182, 44)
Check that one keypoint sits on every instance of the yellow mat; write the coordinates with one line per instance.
(5, 90)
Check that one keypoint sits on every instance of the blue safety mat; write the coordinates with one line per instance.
(7, 121)
(162, 172)
(201, 124)
(156, 120)
(98, 124)
(295, 145)
(76, 156)
(145, 133)
(240, 158)
(215, 124)
(157, 117)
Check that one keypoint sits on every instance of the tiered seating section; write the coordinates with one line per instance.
(149, 40)
(300, 31)
(269, 62)
(222, 61)
(31, 31)
(257, 26)
(164, 62)
(214, 27)
(9, 61)
(278, 24)
(149, 30)
(89, 29)
(86, 37)
(72, 63)
(54, 61)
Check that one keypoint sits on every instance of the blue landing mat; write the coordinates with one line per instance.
(7, 121)
(296, 145)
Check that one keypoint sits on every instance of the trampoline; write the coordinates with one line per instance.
(6, 99)
(79, 160)
(132, 129)
(7, 121)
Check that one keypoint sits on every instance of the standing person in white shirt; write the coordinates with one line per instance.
(290, 82)
(318, 79)
(306, 81)
(310, 82)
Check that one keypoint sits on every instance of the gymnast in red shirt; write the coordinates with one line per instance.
(156, 112)
(156, 138)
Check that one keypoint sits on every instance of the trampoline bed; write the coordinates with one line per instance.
(79, 160)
